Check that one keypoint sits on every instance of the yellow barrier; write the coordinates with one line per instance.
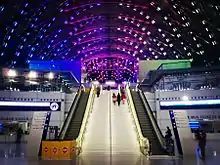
(58, 150)
(46, 150)
(55, 150)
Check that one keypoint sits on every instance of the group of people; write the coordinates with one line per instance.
(116, 98)
(119, 97)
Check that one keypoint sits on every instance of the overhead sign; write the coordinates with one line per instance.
(29, 106)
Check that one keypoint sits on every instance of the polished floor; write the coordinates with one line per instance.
(110, 139)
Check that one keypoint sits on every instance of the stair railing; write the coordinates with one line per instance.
(89, 106)
(143, 141)
(152, 119)
(70, 114)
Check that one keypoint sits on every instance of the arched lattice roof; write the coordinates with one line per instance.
(87, 30)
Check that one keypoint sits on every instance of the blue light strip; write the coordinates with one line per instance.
(191, 102)
(194, 124)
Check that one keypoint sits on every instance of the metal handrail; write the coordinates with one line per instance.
(143, 141)
(70, 114)
(153, 120)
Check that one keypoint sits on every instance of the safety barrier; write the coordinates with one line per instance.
(58, 150)
(143, 141)
(80, 138)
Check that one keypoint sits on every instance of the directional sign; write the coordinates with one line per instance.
(54, 150)
(65, 150)
(45, 149)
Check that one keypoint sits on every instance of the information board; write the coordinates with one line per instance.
(35, 136)
(185, 137)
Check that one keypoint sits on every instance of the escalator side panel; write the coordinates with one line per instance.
(146, 125)
(76, 121)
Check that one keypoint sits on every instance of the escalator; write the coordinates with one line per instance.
(146, 125)
(74, 125)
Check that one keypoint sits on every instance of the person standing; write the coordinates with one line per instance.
(123, 97)
(118, 99)
(114, 98)
(19, 135)
(202, 143)
(98, 91)
(168, 133)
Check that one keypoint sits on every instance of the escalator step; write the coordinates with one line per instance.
(145, 123)
(76, 122)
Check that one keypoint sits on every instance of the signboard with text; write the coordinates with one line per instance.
(183, 133)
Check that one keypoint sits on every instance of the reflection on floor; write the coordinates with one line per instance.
(15, 154)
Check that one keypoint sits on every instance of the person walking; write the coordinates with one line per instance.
(123, 97)
(168, 132)
(98, 91)
(118, 99)
(114, 98)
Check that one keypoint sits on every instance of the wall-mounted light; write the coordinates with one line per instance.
(50, 75)
(185, 98)
(32, 74)
(12, 73)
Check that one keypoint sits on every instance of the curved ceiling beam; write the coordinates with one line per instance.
(98, 4)
(112, 55)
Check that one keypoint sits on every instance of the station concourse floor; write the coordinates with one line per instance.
(110, 139)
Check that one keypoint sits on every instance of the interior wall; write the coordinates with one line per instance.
(151, 100)
(193, 114)
(57, 118)
(145, 66)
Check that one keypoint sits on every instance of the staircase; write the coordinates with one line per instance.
(76, 121)
(146, 125)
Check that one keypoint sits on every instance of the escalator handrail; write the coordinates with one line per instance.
(70, 114)
(143, 141)
(152, 119)
(80, 138)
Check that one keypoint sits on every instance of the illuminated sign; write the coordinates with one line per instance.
(29, 106)
(54, 106)
(190, 104)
